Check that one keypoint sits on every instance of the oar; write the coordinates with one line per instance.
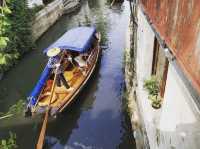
(44, 125)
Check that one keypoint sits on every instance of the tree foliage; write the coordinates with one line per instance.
(15, 33)
(4, 24)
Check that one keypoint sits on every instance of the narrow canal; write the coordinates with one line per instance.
(98, 119)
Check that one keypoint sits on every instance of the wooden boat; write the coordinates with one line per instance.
(83, 42)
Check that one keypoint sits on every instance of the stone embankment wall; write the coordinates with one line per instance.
(46, 17)
(50, 14)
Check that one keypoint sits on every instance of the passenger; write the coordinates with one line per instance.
(81, 59)
(69, 57)
(54, 62)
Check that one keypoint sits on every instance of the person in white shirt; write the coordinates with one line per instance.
(54, 63)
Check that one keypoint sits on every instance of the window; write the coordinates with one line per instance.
(160, 66)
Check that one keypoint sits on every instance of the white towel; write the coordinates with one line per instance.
(80, 61)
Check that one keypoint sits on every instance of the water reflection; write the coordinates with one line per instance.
(68, 120)
(96, 119)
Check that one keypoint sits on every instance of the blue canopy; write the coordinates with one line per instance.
(77, 39)
(32, 98)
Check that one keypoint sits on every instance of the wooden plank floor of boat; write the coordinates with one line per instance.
(74, 79)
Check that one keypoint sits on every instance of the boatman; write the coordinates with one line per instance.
(54, 55)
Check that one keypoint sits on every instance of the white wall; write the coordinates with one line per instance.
(176, 124)
(145, 44)
(179, 115)
(175, 107)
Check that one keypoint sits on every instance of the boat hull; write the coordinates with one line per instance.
(77, 82)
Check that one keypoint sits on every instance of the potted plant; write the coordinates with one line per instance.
(152, 86)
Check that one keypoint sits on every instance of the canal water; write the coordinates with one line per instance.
(98, 119)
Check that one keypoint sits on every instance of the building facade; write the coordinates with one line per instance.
(167, 46)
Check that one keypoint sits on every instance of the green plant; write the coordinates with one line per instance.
(7, 60)
(15, 32)
(16, 109)
(19, 32)
(9, 143)
(152, 85)
(155, 101)
(4, 23)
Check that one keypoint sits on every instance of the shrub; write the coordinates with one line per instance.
(9, 143)
(19, 33)
(15, 32)
(7, 60)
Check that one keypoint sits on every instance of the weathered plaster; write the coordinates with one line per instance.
(176, 124)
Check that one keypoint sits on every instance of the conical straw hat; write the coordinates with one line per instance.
(53, 52)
